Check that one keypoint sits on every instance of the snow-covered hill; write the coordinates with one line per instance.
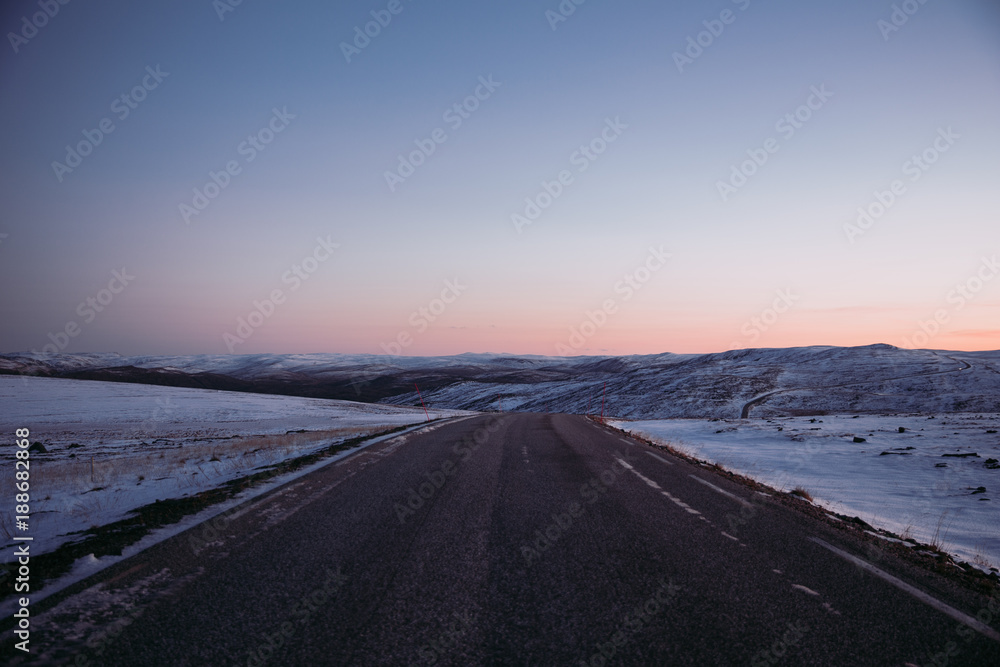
(805, 380)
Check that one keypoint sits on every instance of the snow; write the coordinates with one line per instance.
(113, 447)
(805, 380)
(915, 490)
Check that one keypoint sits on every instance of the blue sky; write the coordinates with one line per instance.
(538, 288)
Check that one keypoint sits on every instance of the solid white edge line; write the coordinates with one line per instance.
(82, 569)
(973, 623)
(660, 458)
(745, 503)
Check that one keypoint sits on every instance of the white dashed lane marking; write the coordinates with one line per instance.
(677, 501)
(660, 458)
(722, 491)
(680, 503)
(638, 474)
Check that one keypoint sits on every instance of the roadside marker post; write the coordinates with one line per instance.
(422, 402)
(603, 396)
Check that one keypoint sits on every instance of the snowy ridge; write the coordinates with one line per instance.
(790, 381)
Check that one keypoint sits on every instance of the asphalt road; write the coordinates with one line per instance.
(518, 539)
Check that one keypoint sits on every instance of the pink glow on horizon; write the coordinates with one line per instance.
(543, 341)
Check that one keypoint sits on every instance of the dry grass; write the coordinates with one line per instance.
(102, 484)
(980, 560)
(938, 541)
(802, 493)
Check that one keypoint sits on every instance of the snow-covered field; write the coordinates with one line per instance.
(909, 482)
(112, 447)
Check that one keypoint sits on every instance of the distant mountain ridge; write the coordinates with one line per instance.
(761, 382)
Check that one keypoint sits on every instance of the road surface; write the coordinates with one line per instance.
(515, 539)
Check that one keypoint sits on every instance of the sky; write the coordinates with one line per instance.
(429, 178)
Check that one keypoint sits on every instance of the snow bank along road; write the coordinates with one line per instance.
(513, 539)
